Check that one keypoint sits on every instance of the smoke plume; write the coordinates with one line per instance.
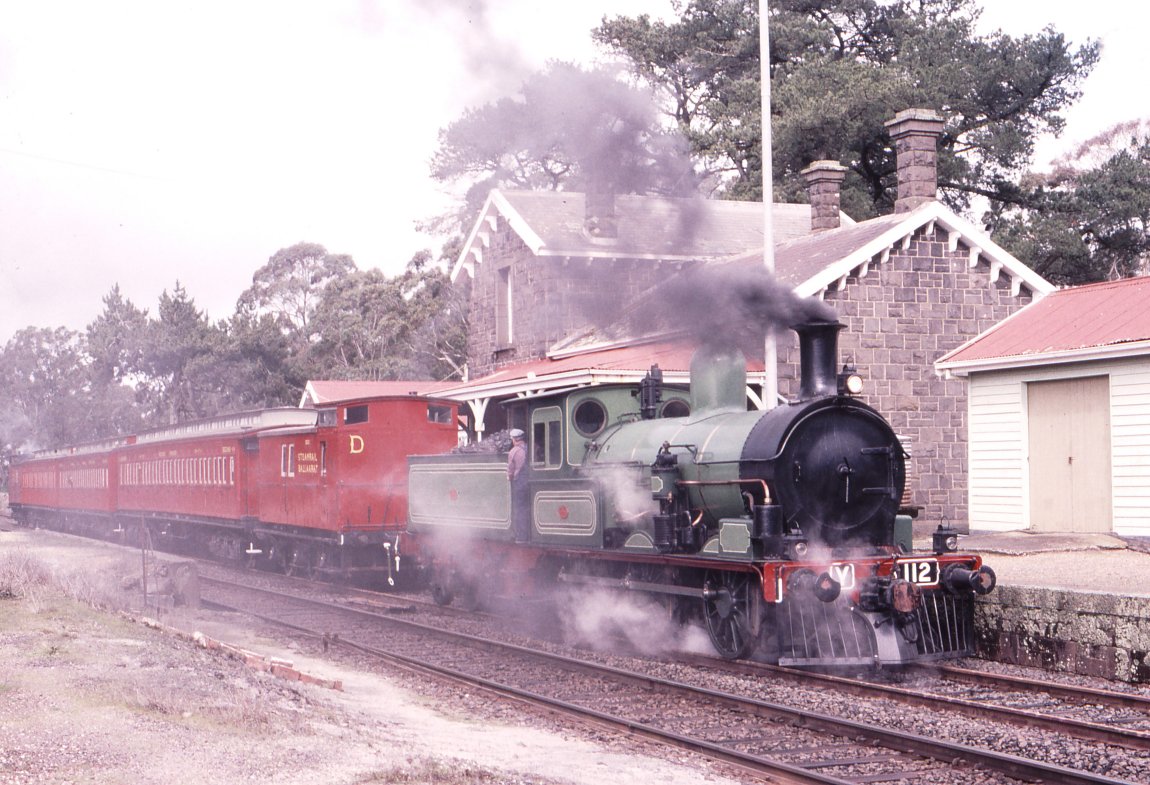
(723, 305)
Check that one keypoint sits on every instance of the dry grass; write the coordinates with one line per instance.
(435, 771)
(26, 577)
(166, 679)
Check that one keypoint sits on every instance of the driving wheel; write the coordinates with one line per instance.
(731, 609)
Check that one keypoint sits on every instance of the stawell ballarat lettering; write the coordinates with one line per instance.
(307, 463)
(310, 462)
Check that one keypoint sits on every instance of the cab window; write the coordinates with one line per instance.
(546, 438)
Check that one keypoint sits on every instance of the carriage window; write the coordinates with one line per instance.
(437, 412)
(323, 459)
(675, 408)
(546, 438)
(326, 417)
(355, 414)
(590, 417)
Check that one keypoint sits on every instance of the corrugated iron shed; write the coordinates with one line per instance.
(1085, 322)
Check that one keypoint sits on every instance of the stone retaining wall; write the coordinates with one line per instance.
(1091, 634)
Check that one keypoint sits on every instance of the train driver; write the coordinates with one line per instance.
(517, 476)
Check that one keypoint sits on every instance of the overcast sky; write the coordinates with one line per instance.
(144, 143)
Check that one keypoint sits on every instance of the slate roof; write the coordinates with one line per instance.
(1092, 322)
(814, 263)
(822, 261)
(550, 223)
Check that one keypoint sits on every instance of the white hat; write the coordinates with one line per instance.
(516, 433)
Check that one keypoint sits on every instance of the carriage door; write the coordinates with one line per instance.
(1069, 425)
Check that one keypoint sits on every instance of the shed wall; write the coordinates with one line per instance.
(999, 484)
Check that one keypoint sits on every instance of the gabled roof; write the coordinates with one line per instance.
(551, 223)
(1093, 322)
(326, 391)
(813, 264)
(823, 261)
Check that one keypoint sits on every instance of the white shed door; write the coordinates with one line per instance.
(1069, 424)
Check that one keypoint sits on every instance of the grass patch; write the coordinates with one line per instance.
(24, 577)
(31, 579)
(432, 771)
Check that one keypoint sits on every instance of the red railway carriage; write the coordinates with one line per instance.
(307, 490)
(345, 480)
(193, 479)
(74, 483)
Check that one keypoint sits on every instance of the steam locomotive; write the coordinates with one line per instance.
(779, 530)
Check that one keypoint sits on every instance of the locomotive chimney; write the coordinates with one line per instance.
(818, 358)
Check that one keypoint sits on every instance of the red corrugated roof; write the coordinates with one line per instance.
(1068, 320)
(670, 356)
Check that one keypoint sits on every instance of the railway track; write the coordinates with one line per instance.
(779, 743)
(1120, 719)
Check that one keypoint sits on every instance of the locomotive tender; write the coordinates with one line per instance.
(307, 491)
(779, 529)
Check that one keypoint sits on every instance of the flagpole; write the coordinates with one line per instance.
(770, 349)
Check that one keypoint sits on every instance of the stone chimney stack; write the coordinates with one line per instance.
(824, 181)
(599, 219)
(915, 133)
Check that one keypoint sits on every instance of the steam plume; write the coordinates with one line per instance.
(734, 304)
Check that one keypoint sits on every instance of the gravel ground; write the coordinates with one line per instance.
(93, 696)
(88, 694)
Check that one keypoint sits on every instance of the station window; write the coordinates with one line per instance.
(675, 408)
(503, 308)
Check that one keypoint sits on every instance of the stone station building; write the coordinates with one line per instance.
(909, 286)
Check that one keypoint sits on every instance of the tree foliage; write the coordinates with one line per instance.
(373, 327)
(179, 347)
(42, 402)
(567, 128)
(1089, 219)
(289, 287)
(839, 69)
(308, 314)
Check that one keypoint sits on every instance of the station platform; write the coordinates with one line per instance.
(1072, 562)
(1077, 603)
